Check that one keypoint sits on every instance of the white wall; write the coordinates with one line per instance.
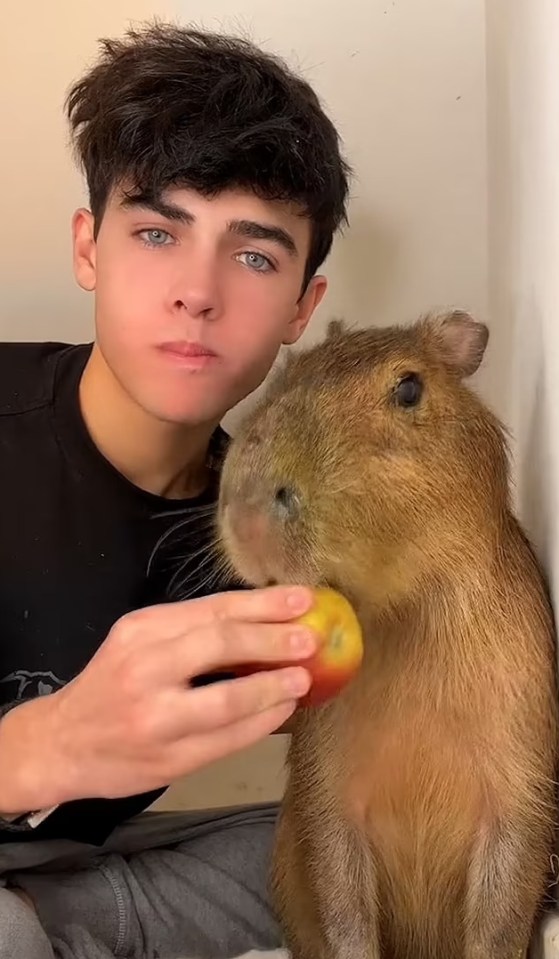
(523, 124)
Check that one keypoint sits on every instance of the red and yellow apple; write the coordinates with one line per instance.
(340, 646)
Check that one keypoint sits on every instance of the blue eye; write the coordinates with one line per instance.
(155, 237)
(258, 262)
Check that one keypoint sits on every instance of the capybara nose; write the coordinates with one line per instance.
(287, 502)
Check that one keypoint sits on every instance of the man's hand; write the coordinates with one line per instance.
(130, 721)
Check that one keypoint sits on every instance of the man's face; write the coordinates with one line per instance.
(195, 297)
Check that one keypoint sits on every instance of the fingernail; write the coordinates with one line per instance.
(302, 642)
(298, 683)
(299, 600)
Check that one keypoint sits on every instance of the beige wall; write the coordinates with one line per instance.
(523, 115)
(523, 220)
(405, 82)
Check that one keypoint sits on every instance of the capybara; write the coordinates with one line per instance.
(419, 812)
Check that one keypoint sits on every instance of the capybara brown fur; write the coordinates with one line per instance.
(419, 812)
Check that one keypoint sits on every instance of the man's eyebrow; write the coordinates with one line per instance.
(251, 229)
(170, 211)
(264, 231)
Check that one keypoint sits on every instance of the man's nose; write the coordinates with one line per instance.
(196, 289)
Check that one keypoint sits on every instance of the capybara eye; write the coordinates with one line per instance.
(409, 390)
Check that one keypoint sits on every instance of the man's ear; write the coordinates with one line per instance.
(460, 340)
(305, 309)
(84, 249)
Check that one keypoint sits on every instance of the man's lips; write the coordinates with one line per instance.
(186, 349)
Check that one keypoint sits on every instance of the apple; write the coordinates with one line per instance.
(340, 650)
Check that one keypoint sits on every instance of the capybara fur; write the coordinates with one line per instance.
(419, 815)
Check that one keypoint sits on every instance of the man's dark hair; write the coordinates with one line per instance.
(174, 106)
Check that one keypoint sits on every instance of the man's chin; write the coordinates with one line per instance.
(191, 416)
(196, 404)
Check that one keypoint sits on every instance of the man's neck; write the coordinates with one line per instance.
(162, 458)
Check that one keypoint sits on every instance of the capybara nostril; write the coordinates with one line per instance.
(286, 501)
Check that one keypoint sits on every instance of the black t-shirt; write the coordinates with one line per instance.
(76, 540)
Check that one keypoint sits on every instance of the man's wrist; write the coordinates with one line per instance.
(28, 751)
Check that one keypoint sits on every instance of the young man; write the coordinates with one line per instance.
(216, 186)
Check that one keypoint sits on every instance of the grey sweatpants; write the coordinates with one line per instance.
(164, 886)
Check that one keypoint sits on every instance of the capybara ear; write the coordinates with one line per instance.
(460, 340)
(336, 329)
